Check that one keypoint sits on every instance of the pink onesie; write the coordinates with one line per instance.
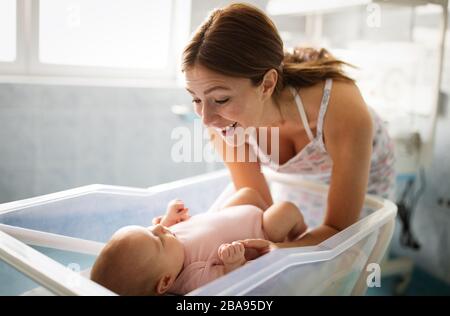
(202, 236)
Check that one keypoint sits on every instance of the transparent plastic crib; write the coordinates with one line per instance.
(49, 243)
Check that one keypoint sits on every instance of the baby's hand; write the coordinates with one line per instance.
(157, 220)
(176, 212)
(232, 254)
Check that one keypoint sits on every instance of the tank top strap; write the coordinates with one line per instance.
(323, 110)
(301, 110)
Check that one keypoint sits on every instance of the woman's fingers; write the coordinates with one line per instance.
(256, 243)
(261, 246)
(251, 254)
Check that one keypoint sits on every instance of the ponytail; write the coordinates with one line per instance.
(307, 66)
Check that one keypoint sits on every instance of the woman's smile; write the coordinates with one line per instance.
(228, 130)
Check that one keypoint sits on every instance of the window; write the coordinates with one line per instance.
(7, 30)
(112, 39)
(396, 48)
(121, 33)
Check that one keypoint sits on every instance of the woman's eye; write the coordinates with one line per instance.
(222, 101)
(196, 101)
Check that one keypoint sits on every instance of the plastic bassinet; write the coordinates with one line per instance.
(45, 241)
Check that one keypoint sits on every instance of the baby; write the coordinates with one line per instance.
(196, 250)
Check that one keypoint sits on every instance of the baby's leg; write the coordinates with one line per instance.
(246, 196)
(283, 221)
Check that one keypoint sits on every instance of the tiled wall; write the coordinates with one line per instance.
(58, 137)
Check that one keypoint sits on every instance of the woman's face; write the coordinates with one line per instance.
(224, 102)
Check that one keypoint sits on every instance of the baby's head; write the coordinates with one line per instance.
(139, 261)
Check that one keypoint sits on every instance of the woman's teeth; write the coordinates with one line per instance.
(229, 130)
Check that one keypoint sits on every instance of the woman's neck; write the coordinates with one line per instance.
(280, 110)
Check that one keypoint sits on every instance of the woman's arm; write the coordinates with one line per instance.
(243, 173)
(348, 133)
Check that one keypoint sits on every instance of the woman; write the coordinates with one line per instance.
(239, 76)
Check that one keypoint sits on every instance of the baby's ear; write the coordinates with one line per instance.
(164, 284)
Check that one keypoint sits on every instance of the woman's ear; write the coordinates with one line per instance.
(269, 83)
(164, 284)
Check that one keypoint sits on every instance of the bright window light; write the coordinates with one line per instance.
(105, 33)
(7, 30)
(278, 7)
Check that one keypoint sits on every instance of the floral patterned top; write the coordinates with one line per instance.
(314, 163)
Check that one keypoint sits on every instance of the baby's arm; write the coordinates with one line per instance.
(283, 221)
(232, 255)
(176, 212)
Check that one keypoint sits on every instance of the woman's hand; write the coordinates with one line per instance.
(255, 248)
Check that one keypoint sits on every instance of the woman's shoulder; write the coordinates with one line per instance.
(345, 99)
(347, 91)
(340, 88)
(347, 111)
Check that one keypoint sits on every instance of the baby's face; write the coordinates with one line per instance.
(165, 246)
(137, 258)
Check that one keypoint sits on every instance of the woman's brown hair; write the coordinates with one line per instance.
(241, 41)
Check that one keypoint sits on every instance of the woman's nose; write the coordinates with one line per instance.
(208, 116)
